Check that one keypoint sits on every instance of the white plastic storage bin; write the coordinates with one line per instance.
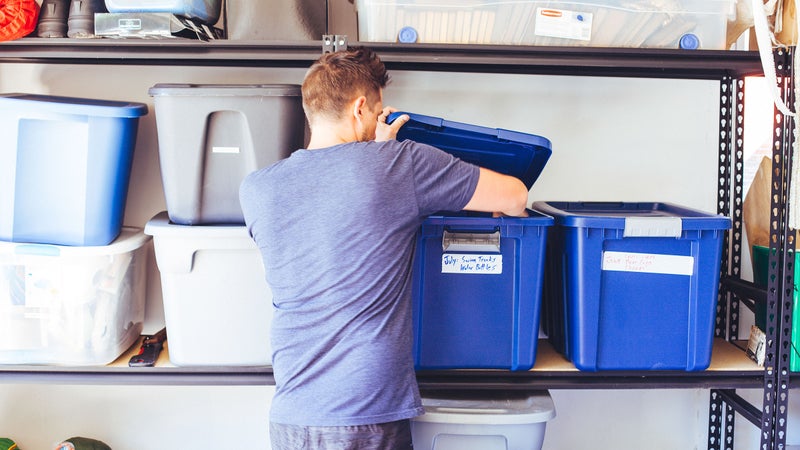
(688, 24)
(72, 305)
(217, 304)
(211, 136)
(482, 420)
(207, 11)
(65, 165)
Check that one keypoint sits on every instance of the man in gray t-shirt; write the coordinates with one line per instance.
(335, 224)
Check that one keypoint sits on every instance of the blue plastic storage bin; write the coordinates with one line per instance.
(632, 286)
(64, 168)
(477, 280)
(477, 291)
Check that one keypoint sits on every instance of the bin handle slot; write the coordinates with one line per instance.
(471, 242)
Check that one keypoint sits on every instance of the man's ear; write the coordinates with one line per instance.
(358, 107)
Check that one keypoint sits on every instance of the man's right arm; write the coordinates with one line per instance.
(499, 193)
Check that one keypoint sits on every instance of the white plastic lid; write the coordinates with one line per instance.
(129, 239)
(160, 225)
(487, 408)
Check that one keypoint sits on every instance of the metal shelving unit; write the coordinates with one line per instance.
(727, 67)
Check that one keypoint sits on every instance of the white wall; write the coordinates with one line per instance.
(613, 139)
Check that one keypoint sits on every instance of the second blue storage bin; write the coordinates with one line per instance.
(632, 286)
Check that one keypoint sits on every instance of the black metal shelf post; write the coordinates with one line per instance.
(721, 417)
(780, 287)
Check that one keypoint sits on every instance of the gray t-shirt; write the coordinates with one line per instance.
(336, 229)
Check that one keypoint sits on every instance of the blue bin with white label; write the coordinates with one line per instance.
(632, 286)
(477, 279)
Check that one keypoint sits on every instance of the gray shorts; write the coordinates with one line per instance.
(381, 436)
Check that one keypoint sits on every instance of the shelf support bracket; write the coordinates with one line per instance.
(334, 42)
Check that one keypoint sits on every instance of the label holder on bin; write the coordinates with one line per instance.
(471, 242)
(653, 227)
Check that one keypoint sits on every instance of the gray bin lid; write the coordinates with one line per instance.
(487, 408)
(224, 90)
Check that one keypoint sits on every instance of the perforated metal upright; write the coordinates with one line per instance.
(771, 419)
(780, 287)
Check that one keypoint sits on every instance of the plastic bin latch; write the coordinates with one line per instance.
(471, 242)
(653, 227)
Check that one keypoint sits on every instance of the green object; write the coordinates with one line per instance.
(761, 278)
(82, 443)
(8, 444)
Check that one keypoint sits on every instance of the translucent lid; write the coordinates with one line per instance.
(72, 105)
(487, 407)
(129, 239)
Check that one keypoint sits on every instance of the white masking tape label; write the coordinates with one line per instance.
(130, 24)
(561, 23)
(224, 149)
(648, 263)
(472, 263)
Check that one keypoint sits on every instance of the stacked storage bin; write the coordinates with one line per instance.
(685, 24)
(477, 278)
(632, 286)
(217, 304)
(72, 279)
(482, 420)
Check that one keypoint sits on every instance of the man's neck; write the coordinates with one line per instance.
(330, 134)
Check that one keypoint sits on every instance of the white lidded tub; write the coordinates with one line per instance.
(482, 420)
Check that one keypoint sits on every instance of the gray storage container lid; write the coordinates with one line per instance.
(487, 408)
(224, 90)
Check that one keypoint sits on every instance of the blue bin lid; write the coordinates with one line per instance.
(613, 215)
(72, 105)
(510, 152)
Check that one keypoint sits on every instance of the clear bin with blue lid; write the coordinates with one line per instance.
(65, 167)
(684, 24)
(477, 278)
(632, 286)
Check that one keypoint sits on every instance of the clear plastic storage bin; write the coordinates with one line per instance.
(688, 24)
(72, 305)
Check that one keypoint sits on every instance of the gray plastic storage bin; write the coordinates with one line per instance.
(482, 420)
(211, 136)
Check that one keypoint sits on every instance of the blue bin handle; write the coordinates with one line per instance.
(471, 242)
